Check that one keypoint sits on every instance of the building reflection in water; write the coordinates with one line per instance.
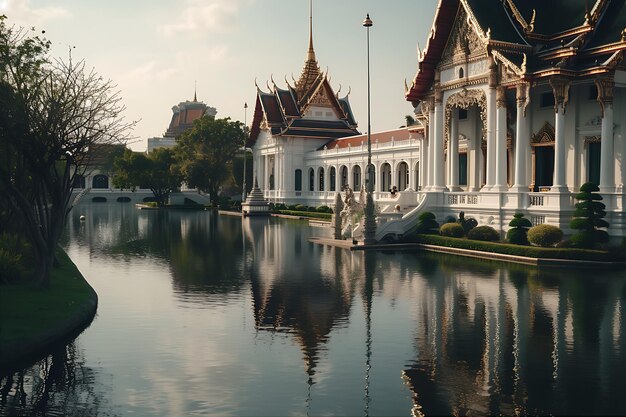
(518, 341)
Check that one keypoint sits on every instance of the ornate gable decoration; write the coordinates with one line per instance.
(463, 42)
(544, 135)
(321, 99)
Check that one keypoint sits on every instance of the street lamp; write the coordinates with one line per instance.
(369, 232)
(245, 141)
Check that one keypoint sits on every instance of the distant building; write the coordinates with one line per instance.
(183, 117)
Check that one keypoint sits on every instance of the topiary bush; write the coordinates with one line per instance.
(426, 223)
(300, 207)
(545, 235)
(588, 218)
(292, 207)
(518, 233)
(324, 209)
(484, 233)
(452, 230)
(467, 223)
(449, 219)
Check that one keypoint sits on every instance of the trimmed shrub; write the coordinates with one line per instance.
(311, 209)
(449, 219)
(518, 233)
(467, 223)
(281, 206)
(588, 217)
(484, 233)
(545, 235)
(324, 209)
(426, 223)
(292, 207)
(300, 207)
(452, 230)
(321, 216)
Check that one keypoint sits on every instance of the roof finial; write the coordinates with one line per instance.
(195, 87)
(311, 54)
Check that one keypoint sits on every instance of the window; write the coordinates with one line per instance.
(593, 162)
(333, 179)
(462, 114)
(547, 99)
(101, 182)
(593, 92)
(356, 177)
(298, 180)
(462, 169)
(321, 179)
(461, 74)
(311, 179)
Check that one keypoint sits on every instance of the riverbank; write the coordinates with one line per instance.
(32, 319)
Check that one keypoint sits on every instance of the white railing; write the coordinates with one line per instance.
(535, 200)
(462, 199)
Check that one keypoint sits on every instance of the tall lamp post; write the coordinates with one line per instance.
(369, 231)
(245, 156)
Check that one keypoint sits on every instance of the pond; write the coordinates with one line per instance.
(201, 314)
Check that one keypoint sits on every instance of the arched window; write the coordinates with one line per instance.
(403, 176)
(385, 177)
(460, 72)
(356, 178)
(320, 175)
(344, 177)
(298, 180)
(311, 179)
(333, 179)
(100, 181)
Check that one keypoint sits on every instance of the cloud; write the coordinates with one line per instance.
(213, 16)
(21, 12)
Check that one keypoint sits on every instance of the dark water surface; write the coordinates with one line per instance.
(210, 315)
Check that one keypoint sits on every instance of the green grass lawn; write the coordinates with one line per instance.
(26, 311)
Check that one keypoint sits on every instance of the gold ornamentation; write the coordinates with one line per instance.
(605, 87)
(560, 87)
(593, 139)
(545, 135)
(462, 43)
(463, 100)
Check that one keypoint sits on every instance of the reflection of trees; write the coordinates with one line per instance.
(501, 341)
(60, 384)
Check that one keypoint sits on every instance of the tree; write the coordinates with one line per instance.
(588, 218)
(518, 233)
(204, 153)
(53, 112)
(154, 171)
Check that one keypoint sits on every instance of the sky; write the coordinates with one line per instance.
(156, 51)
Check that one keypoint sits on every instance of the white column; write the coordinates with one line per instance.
(607, 155)
(500, 183)
(453, 152)
(475, 151)
(522, 147)
(438, 153)
(560, 87)
(491, 127)
(431, 148)
(423, 164)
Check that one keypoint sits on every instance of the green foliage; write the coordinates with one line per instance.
(449, 219)
(484, 233)
(154, 171)
(14, 257)
(545, 235)
(280, 206)
(205, 153)
(324, 209)
(322, 216)
(426, 223)
(300, 207)
(467, 223)
(517, 250)
(518, 233)
(311, 209)
(292, 207)
(452, 230)
(588, 218)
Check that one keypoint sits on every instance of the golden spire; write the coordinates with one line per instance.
(311, 54)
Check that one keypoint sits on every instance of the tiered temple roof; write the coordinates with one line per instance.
(184, 115)
(534, 38)
(284, 111)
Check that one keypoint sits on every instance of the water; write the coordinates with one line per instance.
(208, 315)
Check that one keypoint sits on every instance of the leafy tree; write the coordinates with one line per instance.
(155, 171)
(204, 153)
(518, 233)
(588, 218)
(53, 112)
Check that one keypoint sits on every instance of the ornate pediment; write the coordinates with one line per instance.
(463, 100)
(544, 135)
(321, 99)
(462, 43)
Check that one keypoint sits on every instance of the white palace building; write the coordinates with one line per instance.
(517, 104)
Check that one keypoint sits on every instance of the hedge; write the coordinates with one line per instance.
(323, 216)
(517, 250)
